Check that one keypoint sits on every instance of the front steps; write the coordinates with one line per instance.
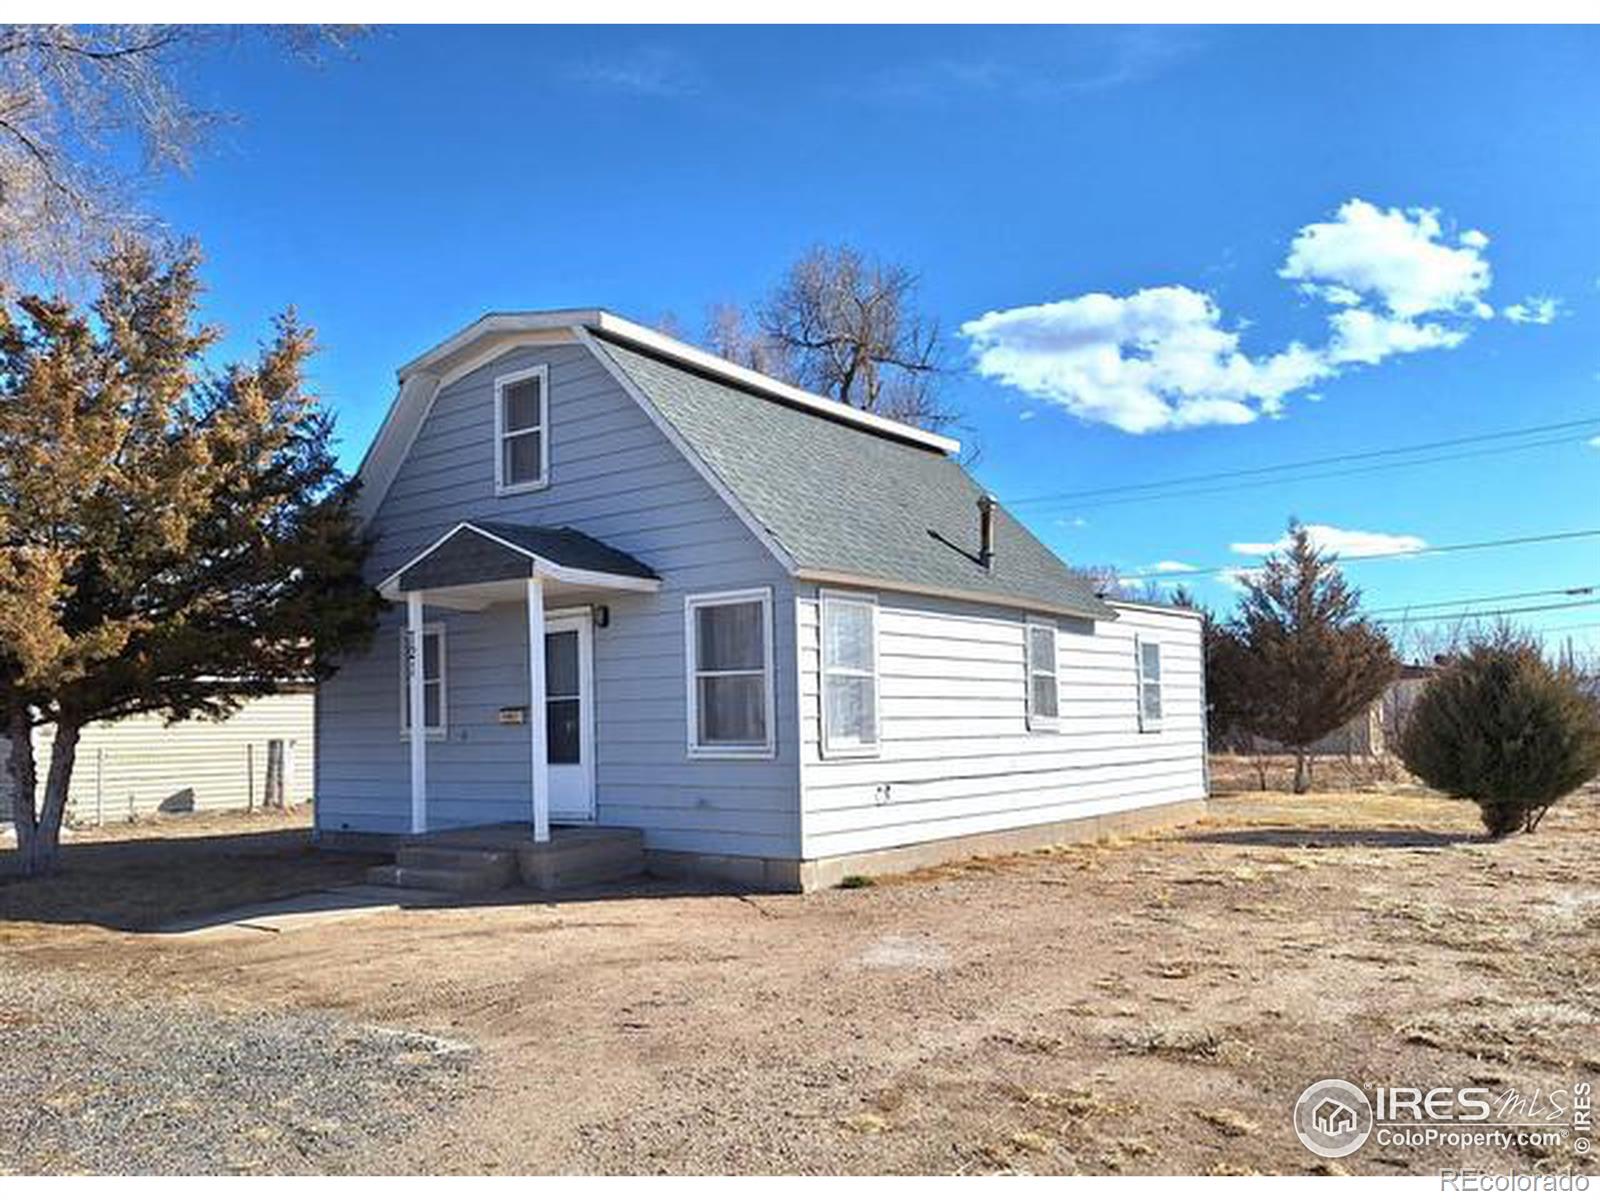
(492, 858)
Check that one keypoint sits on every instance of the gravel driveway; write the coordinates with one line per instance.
(110, 1084)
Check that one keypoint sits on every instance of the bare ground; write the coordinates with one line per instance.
(1145, 1006)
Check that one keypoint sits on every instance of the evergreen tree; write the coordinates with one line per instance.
(1307, 659)
(171, 541)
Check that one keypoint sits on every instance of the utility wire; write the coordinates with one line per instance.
(1422, 552)
(1490, 612)
(1581, 590)
(1312, 462)
(1240, 485)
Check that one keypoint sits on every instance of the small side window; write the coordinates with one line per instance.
(1148, 654)
(1043, 702)
(849, 675)
(522, 442)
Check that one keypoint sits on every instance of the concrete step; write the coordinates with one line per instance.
(446, 857)
(581, 857)
(462, 881)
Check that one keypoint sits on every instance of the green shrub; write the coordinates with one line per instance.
(1503, 727)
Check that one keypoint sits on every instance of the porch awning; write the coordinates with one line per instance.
(475, 554)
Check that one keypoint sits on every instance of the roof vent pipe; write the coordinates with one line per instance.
(986, 506)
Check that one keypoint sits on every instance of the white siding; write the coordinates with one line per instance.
(141, 765)
(616, 477)
(957, 757)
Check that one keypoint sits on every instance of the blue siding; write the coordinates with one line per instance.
(614, 476)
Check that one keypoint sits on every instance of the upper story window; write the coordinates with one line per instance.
(849, 674)
(729, 651)
(1149, 664)
(521, 430)
(1043, 701)
(433, 716)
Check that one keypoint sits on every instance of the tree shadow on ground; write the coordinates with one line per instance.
(261, 880)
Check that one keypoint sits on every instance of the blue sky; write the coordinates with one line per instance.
(1200, 250)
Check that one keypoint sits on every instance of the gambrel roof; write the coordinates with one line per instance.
(837, 494)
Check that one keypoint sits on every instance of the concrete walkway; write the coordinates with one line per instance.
(308, 908)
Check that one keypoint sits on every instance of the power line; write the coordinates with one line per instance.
(1242, 485)
(1491, 612)
(1581, 590)
(1421, 552)
(1309, 462)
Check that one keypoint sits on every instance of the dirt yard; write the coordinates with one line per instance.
(1146, 1006)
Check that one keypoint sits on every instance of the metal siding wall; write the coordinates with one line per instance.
(956, 753)
(617, 478)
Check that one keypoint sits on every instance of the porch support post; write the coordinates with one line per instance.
(419, 716)
(538, 738)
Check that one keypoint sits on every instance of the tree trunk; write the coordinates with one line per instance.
(1302, 772)
(24, 788)
(42, 849)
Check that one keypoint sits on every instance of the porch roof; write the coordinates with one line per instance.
(478, 553)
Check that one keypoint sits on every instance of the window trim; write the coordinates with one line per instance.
(1149, 724)
(540, 372)
(725, 750)
(826, 598)
(431, 732)
(1039, 722)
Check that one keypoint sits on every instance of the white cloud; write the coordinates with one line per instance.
(1330, 539)
(1164, 358)
(1158, 359)
(1535, 310)
(1595, 441)
(1026, 414)
(1397, 259)
(1168, 565)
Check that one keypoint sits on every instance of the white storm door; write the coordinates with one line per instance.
(569, 716)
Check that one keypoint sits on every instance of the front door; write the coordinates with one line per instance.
(569, 716)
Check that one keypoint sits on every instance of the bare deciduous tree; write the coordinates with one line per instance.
(845, 325)
(89, 112)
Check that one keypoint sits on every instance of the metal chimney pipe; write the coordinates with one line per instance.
(986, 506)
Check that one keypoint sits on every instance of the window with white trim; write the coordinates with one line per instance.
(849, 674)
(1148, 654)
(728, 644)
(433, 705)
(1043, 701)
(521, 433)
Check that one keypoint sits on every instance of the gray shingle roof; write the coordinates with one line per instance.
(847, 501)
(467, 555)
(568, 548)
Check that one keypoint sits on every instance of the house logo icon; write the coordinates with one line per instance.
(1333, 1118)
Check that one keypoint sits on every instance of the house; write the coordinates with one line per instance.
(781, 638)
(139, 766)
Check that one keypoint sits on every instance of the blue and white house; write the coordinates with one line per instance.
(637, 586)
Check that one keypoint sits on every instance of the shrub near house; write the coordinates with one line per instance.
(1505, 728)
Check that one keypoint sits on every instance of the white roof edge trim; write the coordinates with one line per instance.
(1171, 610)
(601, 321)
(976, 596)
(629, 331)
(389, 589)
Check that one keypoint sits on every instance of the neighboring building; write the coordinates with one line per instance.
(1373, 731)
(766, 629)
(140, 765)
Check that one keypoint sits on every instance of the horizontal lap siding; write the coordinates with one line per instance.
(616, 477)
(956, 756)
(137, 765)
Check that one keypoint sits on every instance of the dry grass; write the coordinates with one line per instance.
(142, 875)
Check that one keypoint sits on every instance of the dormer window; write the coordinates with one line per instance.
(521, 430)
